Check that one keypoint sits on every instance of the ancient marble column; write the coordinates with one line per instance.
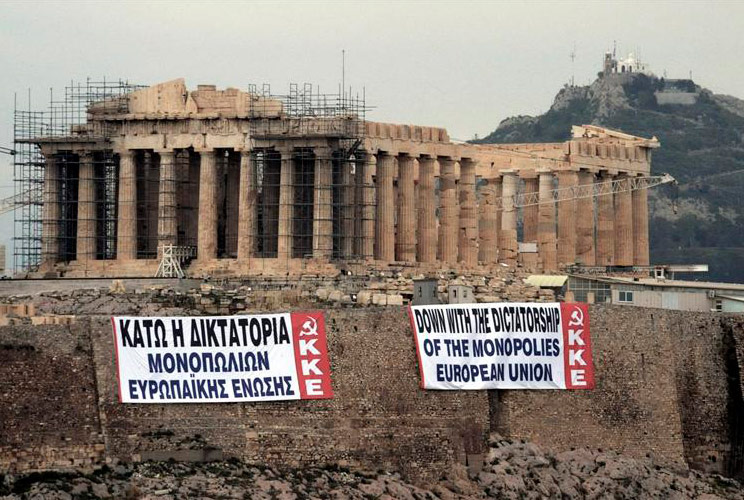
(530, 213)
(167, 228)
(489, 221)
(468, 220)
(567, 217)
(347, 207)
(368, 202)
(605, 223)
(640, 227)
(247, 207)
(585, 221)
(385, 220)
(322, 205)
(546, 234)
(207, 237)
(50, 212)
(623, 223)
(126, 238)
(86, 223)
(427, 206)
(286, 205)
(508, 246)
(230, 179)
(405, 245)
(448, 212)
(148, 219)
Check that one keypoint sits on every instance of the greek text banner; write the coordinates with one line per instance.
(221, 359)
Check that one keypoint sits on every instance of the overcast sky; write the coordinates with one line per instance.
(461, 65)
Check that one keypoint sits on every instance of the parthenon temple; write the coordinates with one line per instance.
(243, 182)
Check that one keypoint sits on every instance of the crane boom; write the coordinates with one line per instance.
(586, 191)
(12, 202)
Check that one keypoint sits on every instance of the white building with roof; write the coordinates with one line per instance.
(659, 293)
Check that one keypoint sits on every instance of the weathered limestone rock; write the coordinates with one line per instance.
(364, 298)
(640, 227)
(585, 221)
(530, 212)
(394, 300)
(468, 232)
(322, 208)
(379, 299)
(489, 224)
(448, 212)
(427, 222)
(605, 226)
(126, 243)
(546, 235)
(405, 243)
(207, 209)
(167, 222)
(368, 197)
(623, 225)
(50, 212)
(567, 219)
(508, 238)
(87, 217)
(286, 205)
(385, 222)
(247, 206)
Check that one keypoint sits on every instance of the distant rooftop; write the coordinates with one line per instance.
(661, 283)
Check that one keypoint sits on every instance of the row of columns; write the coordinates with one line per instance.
(486, 231)
(472, 225)
(615, 234)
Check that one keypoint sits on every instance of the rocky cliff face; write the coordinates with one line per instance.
(702, 146)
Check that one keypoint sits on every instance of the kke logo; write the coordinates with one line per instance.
(311, 355)
(577, 350)
(309, 327)
(577, 317)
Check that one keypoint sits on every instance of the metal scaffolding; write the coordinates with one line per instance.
(65, 122)
(322, 135)
(308, 168)
(28, 176)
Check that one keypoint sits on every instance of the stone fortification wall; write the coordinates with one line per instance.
(48, 398)
(665, 389)
(377, 419)
(668, 387)
(634, 408)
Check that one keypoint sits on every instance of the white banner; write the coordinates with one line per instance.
(222, 358)
(503, 346)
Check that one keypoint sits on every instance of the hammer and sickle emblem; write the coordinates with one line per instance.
(577, 317)
(309, 327)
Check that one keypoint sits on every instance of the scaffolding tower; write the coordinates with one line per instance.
(65, 118)
(347, 194)
(329, 214)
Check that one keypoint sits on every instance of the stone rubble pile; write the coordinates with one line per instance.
(523, 470)
(378, 288)
(513, 470)
(395, 289)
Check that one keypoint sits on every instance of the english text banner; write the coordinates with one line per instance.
(503, 346)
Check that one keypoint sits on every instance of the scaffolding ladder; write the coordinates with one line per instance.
(172, 257)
